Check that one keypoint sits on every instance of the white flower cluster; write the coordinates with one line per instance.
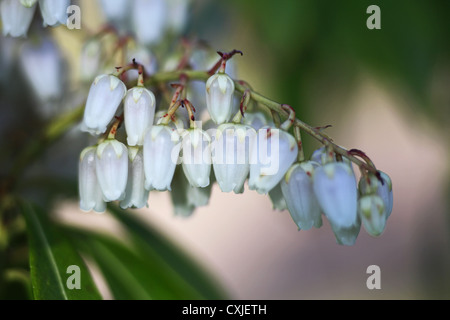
(234, 149)
(17, 14)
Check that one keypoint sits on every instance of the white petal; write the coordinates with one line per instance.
(112, 169)
(135, 195)
(346, 236)
(102, 103)
(272, 155)
(91, 196)
(16, 18)
(219, 97)
(54, 12)
(335, 189)
(196, 148)
(161, 150)
(372, 213)
(139, 112)
(298, 192)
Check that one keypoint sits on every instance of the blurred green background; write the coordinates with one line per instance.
(383, 91)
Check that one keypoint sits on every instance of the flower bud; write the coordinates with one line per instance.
(297, 187)
(149, 20)
(54, 12)
(139, 112)
(16, 18)
(105, 95)
(373, 214)
(231, 160)
(91, 196)
(219, 97)
(335, 188)
(42, 66)
(196, 148)
(161, 150)
(271, 156)
(372, 185)
(346, 236)
(111, 163)
(277, 198)
(135, 194)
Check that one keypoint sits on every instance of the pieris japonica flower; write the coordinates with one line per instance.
(277, 198)
(42, 65)
(373, 214)
(196, 148)
(111, 163)
(115, 11)
(91, 196)
(256, 119)
(372, 185)
(28, 3)
(231, 160)
(297, 187)
(178, 124)
(161, 150)
(139, 112)
(16, 17)
(91, 55)
(149, 20)
(321, 157)
(105, 95)
(346, 236)
(335, 188)
(54, 12)
(271, 156)
(135, 193)
(219, 97)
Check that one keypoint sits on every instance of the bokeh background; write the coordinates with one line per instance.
(383, 91)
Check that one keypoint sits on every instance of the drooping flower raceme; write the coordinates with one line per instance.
(54, 12)
(161, 150)
(271, 156)
(335, 189)
(231, 159)
(196, 160)
(297, 187)
(16, 17)
(111, 163)
(91, 196)
(135, 193)
(105, 95)
(139, 112)
(219, 97)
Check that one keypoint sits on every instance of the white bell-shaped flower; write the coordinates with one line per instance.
(115, 11)
(320, 156)
(219, 97)
(346, 236)
(196, 160)
(161, 151)
(149, 20)
(111, 163)
(335, 189)
(277, 198)
(297, 187)
(16, 17)
(139, 112)
(231, 159)
(90, 59)
(372, 185)
(91, 196)
(135, 193)
(54, 12)
(28, 3)
(105, 95)
(373, 214)
(270, 158)
(42, 66)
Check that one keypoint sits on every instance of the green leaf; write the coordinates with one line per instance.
(50, 256)
(153, 244)
(132, 274)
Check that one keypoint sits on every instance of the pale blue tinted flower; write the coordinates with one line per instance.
(91, 196)
(135, 193)
(16, 18)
